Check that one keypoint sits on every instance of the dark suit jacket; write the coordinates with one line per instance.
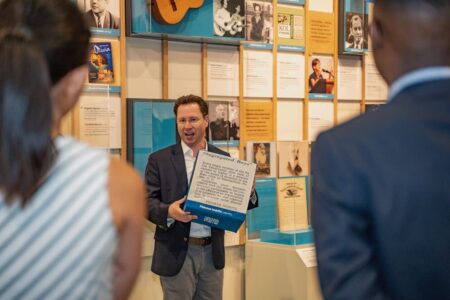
(165, 175)
(381, 200)
(110, 21)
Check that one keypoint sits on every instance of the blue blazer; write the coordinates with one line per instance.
(381, 200)
(166, 180)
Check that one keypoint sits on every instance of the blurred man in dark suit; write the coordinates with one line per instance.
(381, 187)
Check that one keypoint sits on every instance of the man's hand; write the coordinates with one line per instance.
(178, 214)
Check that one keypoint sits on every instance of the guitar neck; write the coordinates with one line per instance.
(174, 5)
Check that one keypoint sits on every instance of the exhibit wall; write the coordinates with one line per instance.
(280, 74)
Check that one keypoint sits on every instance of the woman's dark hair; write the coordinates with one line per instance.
(189, 99)
(40, 42)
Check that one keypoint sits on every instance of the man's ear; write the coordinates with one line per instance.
(376, 34)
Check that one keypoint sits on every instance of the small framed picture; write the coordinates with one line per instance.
(353, 27)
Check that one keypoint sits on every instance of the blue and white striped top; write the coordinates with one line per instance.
(62, 244)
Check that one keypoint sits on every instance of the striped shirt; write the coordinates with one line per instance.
(62, 244)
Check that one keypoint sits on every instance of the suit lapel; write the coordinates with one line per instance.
(179, 164)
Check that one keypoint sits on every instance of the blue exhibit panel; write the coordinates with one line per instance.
(153, 129)
(265, 215)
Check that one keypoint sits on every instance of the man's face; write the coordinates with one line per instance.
(220, 111)
(148, 5)
(99, 6)
(257, 10)
(191, 124)
(356, 29)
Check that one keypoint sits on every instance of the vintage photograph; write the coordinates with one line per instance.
(293, 158)
(101, 13)
(259, 16)
(357, 27)
(321, 78)
(219, 124)
(229, 18)
(263, 154)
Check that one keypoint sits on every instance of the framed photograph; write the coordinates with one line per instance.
(263, 154)
(293, 158)
(321, 77)
(223, 129)
(259, 16)
(229, 18)
(103, 16)
(353, 27)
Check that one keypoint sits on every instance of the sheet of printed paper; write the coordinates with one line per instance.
(100, 121)
(291, 128)
(376, 87)
(320, 118)
(223, 71)
(308, 256)
(292, 203)
(258, 70)
(350, 78)
(291, 75)
(222, 181)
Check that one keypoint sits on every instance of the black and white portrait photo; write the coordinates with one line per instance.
(259, 16)
(356, 31)
(101, 13)
(229, 18)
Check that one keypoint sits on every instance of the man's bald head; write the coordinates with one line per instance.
(410, 34)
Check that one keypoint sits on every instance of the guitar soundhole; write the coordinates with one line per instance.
(174, 5)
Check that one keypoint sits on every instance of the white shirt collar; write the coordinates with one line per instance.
(186, 148)
(418, 76)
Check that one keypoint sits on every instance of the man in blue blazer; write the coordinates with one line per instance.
(189, 257)
(381, 185)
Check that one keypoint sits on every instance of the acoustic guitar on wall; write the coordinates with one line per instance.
(172, 11)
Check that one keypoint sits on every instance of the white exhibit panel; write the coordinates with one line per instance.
(320, 118)
(289, 120)
(223, 71)
(376, 87)
(144, 68)
(290, 75)
(347, 110)
(185, 69)
(258, 73)
(350, 78)
(100, 117)
(321, 5)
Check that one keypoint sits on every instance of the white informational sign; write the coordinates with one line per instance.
(100, 121)
(223, 71)
(320, 118)
(347, 111)
(220, 190)
(258, 70)
(291, 75)
(291, 128)
(376, 87)
(185, 69)
(350, 78)
(308, 256)
(321, 6)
